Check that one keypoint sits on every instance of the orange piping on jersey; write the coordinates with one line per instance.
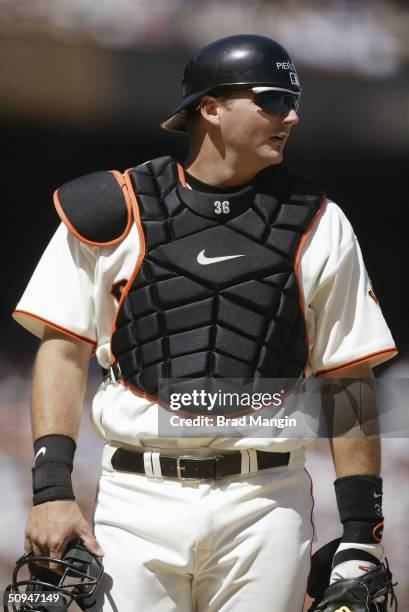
(358, 360)
(181, 174)
(54, 326)
(118, 176)
(151, 398)
(297, 259)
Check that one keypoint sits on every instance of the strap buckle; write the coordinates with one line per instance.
(114, 373)
(180, 467)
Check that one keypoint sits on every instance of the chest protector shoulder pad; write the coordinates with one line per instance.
(95, 207)
(216, 293)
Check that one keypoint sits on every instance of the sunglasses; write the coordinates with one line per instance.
(269, 99)
(276, 100)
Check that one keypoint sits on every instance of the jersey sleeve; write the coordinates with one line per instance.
(60, 293)
(346, 321)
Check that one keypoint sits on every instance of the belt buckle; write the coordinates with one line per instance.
(179, 467)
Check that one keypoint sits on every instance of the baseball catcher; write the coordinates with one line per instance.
(223, 265)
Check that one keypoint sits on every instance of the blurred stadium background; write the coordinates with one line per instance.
(83, 86)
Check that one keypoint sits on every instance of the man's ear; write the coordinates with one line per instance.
(210, 109)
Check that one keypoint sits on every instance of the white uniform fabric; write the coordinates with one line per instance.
(71, 289)
(214, 546)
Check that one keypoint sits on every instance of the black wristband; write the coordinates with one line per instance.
(359, 498)
(54, 457)
(54, 448)
(363, 532)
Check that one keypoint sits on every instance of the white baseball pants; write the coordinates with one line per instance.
(237, 544)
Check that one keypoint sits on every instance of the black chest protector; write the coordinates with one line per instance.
(216, 294)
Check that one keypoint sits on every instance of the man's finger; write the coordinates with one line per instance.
(28, 547)
(56, 553)
(39, 551)
(91, 543)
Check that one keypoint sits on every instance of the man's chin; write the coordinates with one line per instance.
(273, 158)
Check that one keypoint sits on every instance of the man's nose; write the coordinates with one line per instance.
(291, 118)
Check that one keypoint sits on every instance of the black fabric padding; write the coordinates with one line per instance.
(231, 343)
(181, 255)
(185, 224)
(177, 291)
(191, 341)
(189, 365)
(292, 216)
(228, 367)
(250, 224)
(95, 206)
(124, 337)
(283, 240)
(362, 532)
(145, 304)
(267, 207)
(256, 295)
(149, 376)
(188, 315)
(147, 328)
(359, 498)
(241, 319)
(151, 352)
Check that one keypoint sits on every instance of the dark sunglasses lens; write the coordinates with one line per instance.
(277, 102)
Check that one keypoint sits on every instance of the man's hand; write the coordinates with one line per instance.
(53, 524)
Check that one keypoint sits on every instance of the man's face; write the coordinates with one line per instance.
(255, 135)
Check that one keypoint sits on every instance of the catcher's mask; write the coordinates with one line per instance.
(76, 578)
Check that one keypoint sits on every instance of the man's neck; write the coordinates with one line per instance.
(222, 173)
(198, 185)
(218, 178)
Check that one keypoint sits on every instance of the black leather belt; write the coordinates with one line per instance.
(189, 467)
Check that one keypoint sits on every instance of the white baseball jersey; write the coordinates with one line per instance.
(75, 289)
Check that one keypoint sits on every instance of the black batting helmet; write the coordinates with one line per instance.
(242, 59)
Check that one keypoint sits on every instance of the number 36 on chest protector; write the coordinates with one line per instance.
(222, 207)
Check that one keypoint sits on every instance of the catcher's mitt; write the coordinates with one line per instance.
(371, 592)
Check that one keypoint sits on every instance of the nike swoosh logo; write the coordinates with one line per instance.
(377, 494)
(42, 451)
(205, 261)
